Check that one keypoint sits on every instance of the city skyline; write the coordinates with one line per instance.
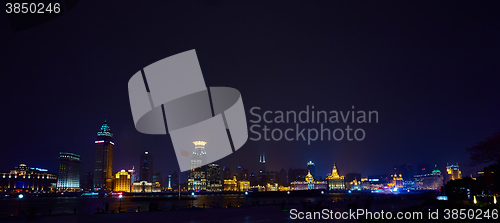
(146, 165)
(433, 85)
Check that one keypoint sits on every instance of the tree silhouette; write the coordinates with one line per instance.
(486, 151)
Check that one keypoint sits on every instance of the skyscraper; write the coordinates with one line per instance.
(146, 170)
(199, 154)
(262, 161)
(214, 182)
(103, 166)
(312, 168)
(69, 172)
(198, 175)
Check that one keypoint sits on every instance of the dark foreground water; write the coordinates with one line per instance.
(90, 205)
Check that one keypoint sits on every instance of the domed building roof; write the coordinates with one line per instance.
(309, 177)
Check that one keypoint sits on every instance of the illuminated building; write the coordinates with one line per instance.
(197, 180)
(258, 188)
(432, 181)
(231, 184)
(146, 167)
(169, 182)
(397, 181)
(133, 175)
(145, 187)
(453, 172)
(272, 187)
(156, 187)
(282, 188)
(142, 187)
(335, 181)
(103, 166)
(214, 182)
(69, 172)
(243, 185)
(308, 184)
(354, 185)
(25, 179)
(199, 154)
(262, 161)
(122, 181)
(311, 168)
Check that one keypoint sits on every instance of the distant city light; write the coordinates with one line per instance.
(288, 192)
(322, 192)
(192, 193)
(20, 196)
(100, 141)
(246, 192)
(442, 198)
(349, 191)
(120, 196)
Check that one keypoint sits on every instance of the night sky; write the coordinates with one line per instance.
(429, 68)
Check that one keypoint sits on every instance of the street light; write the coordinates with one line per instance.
(20, 196)
(120, 208)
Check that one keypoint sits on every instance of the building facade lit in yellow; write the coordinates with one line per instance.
(283, 188)
(272, 187)
(335, 181)
(308, 184)
(122, 181)
(258, 188)
(231, 184)
(397, 181)
(453, 172)
(244, 185)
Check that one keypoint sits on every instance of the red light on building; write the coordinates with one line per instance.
(423, 168)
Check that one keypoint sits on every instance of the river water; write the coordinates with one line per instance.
(89, 205)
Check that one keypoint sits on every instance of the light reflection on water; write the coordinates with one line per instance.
(89, 205)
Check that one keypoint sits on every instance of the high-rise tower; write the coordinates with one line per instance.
(69, 172)
(199, 154)
(146, 170)
(198, 175)
(103, 166)
(262, 163)
(311, 167)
